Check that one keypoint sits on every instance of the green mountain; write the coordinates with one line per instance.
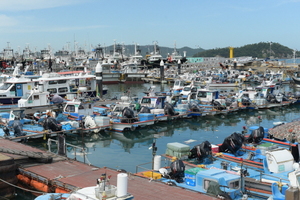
(258, 50)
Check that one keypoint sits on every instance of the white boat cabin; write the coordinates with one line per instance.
(207, 96)
(178, 86)
(34, 98)
(153, 102)
(78, 109)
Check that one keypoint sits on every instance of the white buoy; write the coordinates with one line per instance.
(122, 184)
(157, 162)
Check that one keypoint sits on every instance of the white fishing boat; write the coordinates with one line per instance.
(155, 56)
(61, 83)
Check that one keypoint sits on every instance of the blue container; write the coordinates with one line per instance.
(4, 115)
(190, 175)
(146, 116)
(190, 179)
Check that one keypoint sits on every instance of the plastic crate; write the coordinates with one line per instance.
(153, 175)
(190, 175)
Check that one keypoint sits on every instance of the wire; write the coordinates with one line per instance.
(21, 187)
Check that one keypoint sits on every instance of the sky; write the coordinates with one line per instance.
(207, 24)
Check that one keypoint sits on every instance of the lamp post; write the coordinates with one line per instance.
(161, 70)
(179, 67)
(270, 49)
(99, 87)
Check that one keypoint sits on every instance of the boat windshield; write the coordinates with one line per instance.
(186, 89)
(202, 94)
(234, 184)
(5, 86)
(298, 178)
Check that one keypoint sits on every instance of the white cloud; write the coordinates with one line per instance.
(17, 5)
(6, 21)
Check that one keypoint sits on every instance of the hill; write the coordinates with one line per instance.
(258, 50)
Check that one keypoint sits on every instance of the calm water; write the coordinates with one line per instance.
(126, 151)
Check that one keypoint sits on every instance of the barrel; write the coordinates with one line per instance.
(8, 173)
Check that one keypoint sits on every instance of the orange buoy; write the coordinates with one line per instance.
(23, 179)
(39, 186)
(61, 190)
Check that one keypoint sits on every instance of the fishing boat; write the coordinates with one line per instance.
(61, 83)
(263, 96)
(155, 56)
(103, 190)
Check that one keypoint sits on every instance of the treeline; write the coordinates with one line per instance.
(258, 50)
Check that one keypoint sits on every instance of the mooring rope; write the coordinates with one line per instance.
(28, 190)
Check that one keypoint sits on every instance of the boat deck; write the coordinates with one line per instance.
(72, 174)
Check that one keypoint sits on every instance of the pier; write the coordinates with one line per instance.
(62, 174)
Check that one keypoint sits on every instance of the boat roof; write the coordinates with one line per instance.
(72, 72)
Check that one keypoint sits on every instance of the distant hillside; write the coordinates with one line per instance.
(259, 50)
(164, 51)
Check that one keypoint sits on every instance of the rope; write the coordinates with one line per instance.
(28, 190)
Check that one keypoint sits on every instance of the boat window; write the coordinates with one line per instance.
(64, 89)
(202, 94)
(52, 90)
(146, 100)
(36, 97)
(298, 178)
(186, 89)
(194, 89)
(52, 82)
(5, 86)
(13, 88)
(61, 81)
(81, 107)
(234, 184)
(207, 183)
(70, 108)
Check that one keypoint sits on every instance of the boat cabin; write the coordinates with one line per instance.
(153, 102)
(178, 86)
(78, 109)
(207, 96)
(34, 98)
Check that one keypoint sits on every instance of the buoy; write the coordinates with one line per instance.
(61, 190)
(39, 186)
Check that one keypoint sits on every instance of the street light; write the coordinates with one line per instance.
(161, 70)
(270, 49)
(179, 67)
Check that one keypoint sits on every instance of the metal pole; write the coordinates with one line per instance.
(99, 87)
(162, 70)
(179, 67)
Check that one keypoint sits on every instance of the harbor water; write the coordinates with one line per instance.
(128, 150)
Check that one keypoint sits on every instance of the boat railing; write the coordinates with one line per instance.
(264, 174)
(143, 167)
(75, 148)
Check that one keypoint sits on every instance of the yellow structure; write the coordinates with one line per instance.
(231, 52)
